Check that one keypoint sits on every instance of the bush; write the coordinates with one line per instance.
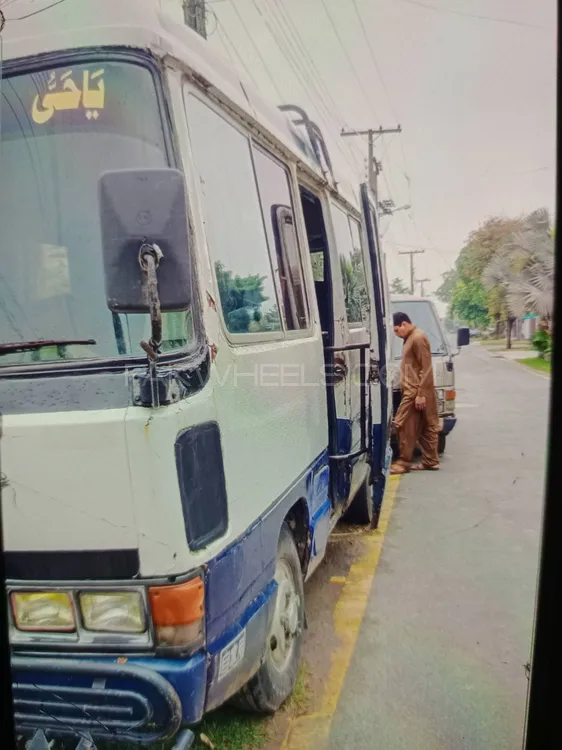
(542, 343)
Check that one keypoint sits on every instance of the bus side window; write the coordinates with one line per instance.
(277, 207)
(348, 240)
(233, 222)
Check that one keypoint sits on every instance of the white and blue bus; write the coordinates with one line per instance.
(193, 331)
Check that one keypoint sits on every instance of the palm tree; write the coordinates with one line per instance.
(533, 252)
(522, 271)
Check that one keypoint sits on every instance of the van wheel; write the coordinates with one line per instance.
(441, 442)
(274, 681)
(361, 511)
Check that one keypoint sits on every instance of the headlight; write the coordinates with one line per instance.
(440, 394)
(42, 611)
(113, 612)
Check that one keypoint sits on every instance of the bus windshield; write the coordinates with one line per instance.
(422, 315)
(61, 128)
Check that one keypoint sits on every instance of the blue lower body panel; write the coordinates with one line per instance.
(237, 654)
(240, 595)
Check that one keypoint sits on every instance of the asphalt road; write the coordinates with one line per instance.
(439, 661)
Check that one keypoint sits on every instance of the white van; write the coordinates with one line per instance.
(423, 314)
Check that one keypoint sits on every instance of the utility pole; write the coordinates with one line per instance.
(374, 167)
(421, 282)
(195, 15)
(411, 253)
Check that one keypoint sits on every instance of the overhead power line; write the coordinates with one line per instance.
(323, 88)
(301, 74)
(258, 52)
(373, 57)
(35, 12)
(453, 12)
(349, 60)
(223, 34)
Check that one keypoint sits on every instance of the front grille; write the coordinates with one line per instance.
(70, 699)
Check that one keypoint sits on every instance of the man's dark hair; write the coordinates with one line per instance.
(400, 318)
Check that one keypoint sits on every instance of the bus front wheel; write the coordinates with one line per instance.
(276, 677)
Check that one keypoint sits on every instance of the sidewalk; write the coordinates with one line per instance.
(439, 658)
(514, 354)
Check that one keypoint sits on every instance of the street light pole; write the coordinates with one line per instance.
(387, 207)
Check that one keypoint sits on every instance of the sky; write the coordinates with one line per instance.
(471, 82)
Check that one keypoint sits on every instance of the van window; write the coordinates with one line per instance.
(423, 316)
(277, 205)
(352, 268)
(233, 222)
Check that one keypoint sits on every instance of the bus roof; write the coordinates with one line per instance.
(157, 26)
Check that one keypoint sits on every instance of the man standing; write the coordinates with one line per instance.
(417, 419)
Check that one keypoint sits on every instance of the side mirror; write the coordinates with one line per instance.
(140, 207)
(463, 337)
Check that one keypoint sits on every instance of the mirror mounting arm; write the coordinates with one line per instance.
(150, 256)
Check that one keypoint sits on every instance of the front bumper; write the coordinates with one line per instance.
(141, 700)
(81, 698)
(447, 423)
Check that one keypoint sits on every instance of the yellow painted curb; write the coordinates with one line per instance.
(311, 731)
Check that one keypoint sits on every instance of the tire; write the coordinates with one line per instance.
(441, 443)
(360, 511)
(273, 683)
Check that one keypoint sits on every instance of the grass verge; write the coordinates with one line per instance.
(229, 729)
(537, 364)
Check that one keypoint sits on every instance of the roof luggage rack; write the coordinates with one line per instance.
(315, 137)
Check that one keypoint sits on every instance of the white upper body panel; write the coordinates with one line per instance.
(156, 26)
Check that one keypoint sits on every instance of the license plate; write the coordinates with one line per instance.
(231, 655)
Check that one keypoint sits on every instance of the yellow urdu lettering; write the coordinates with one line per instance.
(92, 98)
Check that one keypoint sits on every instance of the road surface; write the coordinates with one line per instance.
(439, 659)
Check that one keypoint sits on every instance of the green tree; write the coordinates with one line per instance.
(504, 270)
(397, 286)
(241, 299)
(354, 287)
(469, 303)
(445, 291)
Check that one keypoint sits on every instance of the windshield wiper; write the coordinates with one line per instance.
(29, 346)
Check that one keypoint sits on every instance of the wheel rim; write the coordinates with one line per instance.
(286, 625)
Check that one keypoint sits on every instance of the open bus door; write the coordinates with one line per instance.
(380, 384)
